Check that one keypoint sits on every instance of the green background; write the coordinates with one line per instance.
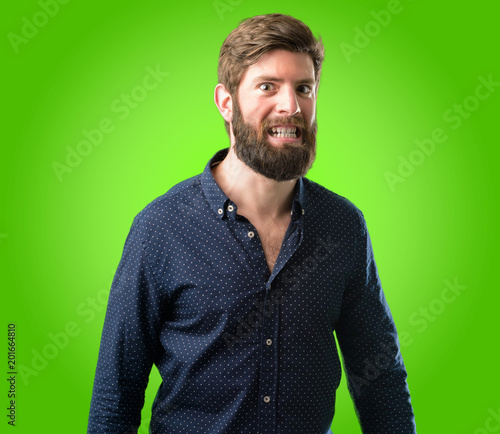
(61, 237)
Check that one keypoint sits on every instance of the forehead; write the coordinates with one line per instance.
(282, 64)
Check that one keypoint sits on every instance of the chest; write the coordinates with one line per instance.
(271, 237)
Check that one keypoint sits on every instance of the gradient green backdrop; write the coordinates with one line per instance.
(61, 237)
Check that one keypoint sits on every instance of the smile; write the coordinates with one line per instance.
(287, 132)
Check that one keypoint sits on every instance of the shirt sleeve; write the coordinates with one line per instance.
(370, 349)
(129, 342)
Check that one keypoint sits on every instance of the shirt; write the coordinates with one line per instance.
(240, 349)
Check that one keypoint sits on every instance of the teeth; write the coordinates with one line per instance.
(284, 132)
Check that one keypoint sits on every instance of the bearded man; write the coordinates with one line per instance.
(234, 282)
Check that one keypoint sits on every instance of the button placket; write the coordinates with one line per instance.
(270, 327)
(269, 369)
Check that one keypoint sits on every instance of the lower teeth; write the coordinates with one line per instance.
(284, 135)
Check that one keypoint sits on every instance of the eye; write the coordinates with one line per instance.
(304, 88)
(266, 87)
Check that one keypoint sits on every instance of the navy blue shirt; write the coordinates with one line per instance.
(240, 349)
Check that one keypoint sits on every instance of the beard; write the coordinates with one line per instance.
(284, 163)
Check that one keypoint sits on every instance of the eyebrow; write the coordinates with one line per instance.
(280, 80)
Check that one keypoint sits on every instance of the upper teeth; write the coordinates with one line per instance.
(284, 132)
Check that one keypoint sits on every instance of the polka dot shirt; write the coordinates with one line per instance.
(239, 349)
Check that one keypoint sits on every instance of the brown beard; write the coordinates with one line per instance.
(290, 161)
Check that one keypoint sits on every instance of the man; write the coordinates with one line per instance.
(233, 282)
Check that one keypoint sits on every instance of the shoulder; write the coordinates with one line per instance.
(322, 201)
(170, 205)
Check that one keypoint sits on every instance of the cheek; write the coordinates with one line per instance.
(309, 111)
(256, 114)
(261, 107)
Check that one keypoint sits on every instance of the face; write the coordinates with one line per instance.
(274, 115)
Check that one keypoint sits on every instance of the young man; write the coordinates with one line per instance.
(233, 282)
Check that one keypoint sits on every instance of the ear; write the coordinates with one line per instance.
(224, 102)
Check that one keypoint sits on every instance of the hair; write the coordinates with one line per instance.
(258, 35)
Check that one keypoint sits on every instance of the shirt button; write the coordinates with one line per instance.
(230, 208)
(269, 342)
(303, 211)
(220, 211)
(251, 234)
(267, 399)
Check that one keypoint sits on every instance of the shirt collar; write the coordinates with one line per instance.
(219, 201)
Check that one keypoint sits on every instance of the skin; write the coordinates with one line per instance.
(280, 84)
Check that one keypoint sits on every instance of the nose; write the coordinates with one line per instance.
(287, 103)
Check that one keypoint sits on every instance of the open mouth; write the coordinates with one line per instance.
(292, 132)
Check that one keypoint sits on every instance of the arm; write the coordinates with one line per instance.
(369, 343)
(129, 343)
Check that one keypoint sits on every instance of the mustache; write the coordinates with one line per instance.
(305, 130)
(284, 120)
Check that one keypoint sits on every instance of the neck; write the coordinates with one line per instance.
(254, 194)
